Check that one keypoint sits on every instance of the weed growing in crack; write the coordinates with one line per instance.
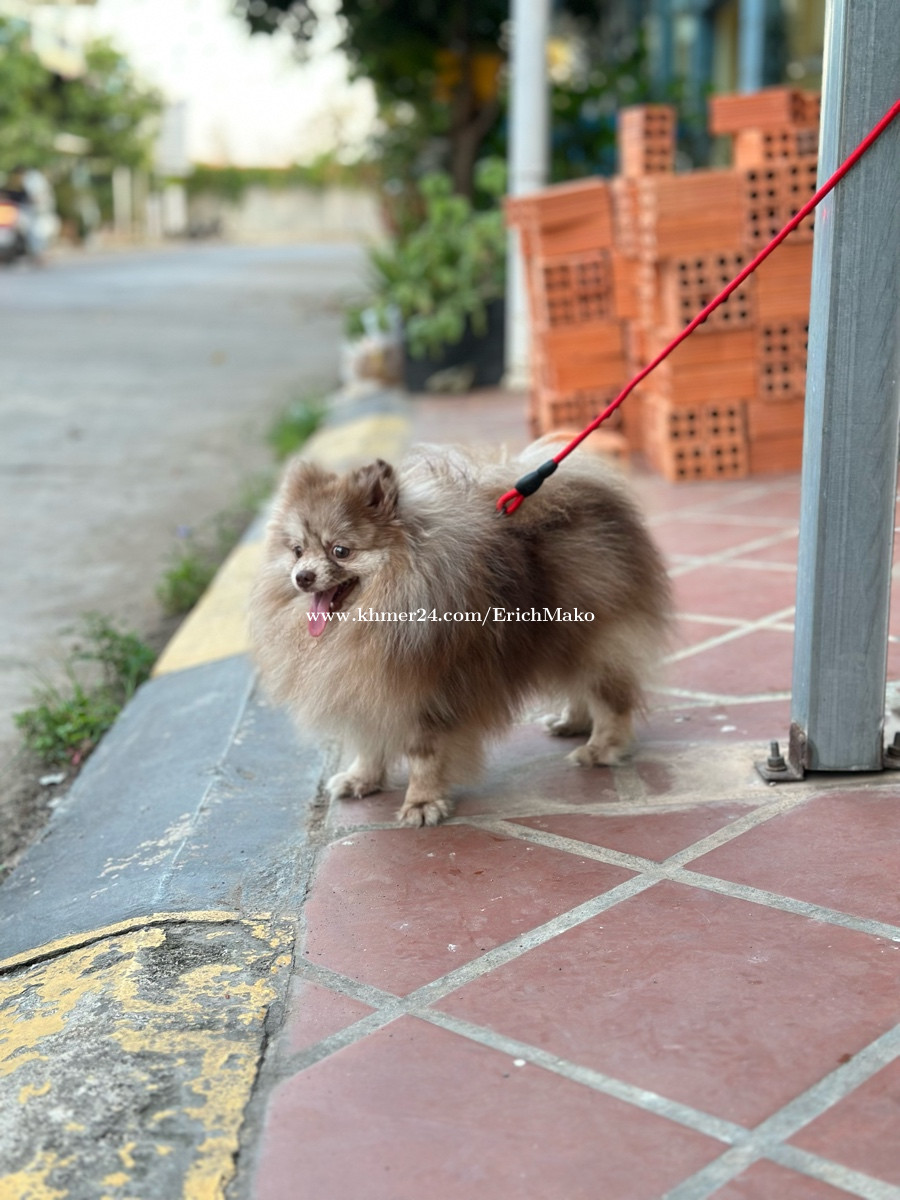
(102, 672)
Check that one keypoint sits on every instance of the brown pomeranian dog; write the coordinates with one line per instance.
(397, 609)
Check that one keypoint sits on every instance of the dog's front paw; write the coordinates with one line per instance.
(350, 785)
(596, 755)
(419, 812)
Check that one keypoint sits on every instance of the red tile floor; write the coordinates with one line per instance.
(664, 980)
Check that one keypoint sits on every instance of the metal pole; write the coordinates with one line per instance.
(662, 28)
(852, 406)
(751, 41)
(529, 123)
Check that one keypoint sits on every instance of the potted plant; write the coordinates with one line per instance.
(446, 279)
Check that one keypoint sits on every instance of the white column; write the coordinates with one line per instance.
(529, 122)
(123, 206)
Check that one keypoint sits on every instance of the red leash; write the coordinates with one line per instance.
(528, 484)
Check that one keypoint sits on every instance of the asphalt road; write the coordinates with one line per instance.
(135, 392)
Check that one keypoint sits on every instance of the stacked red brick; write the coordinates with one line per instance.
(775, 140)
(581, 297)
(729, 401)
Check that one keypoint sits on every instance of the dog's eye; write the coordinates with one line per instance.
(340, 551)
(297, 551)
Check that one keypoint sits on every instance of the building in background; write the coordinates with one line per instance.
(698, 47)
(230, 100)
(54, 36)
(725, 45)
(684, 51)
(248, 101)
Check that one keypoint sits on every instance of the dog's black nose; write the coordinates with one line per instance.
(305, 579)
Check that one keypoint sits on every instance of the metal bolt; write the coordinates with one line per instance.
(775, 761)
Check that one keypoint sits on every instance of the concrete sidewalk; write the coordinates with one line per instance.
(663, 980)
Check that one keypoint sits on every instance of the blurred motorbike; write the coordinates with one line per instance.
(13, 229)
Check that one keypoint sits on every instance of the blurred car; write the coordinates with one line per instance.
(28, 217)
(13, 228)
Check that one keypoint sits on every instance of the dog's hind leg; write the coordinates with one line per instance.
(365, 775)
(575, 719)
(611, 702)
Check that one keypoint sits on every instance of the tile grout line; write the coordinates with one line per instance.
(839, 1083)
(763, 564)
(857, 1183)
(739, 622)
(538, 936)
(766, 812)
(346, 985)
(615, 808)
(648, 873)
(390, 1007)
(476, 967)
(554, 841)
(804, 1162)
(728, 556)
(713, 507)
(746, 1145)
(689, 561)
(350, 1035)
(760, 815)
(792, 1117)
(736, 520)
(648, 1101)
(686, 564)
(670, 869)
(798, 908)
(729, 635)
(706, 510)
(712, 699)
(730, 622)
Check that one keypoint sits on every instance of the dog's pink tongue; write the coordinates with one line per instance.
(318, 610)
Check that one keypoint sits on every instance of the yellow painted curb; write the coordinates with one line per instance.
(128, 1058)
(381, 436)
(216, 626)
(214, 916)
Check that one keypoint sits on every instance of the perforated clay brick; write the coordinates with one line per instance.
(697, 280)
(773, 194)
(782, 353)
(576, 288)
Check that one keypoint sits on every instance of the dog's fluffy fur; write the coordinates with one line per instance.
(427, 539)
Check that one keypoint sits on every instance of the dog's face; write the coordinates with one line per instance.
(336, 533)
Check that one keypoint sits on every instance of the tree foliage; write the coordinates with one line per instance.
(426, 55)
(111, 108)
(27, 127)
(106, 105)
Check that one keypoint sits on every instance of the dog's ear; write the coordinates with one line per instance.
(301, 480)
(301, 473)
(377, 484)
